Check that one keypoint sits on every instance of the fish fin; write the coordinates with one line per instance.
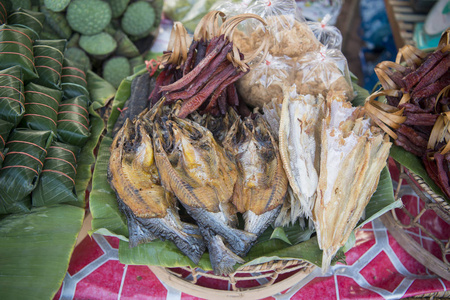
(222, 258)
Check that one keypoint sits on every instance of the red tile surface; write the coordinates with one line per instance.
(318, 288)
(141, 283)
(364, 241)
(113, 241)
(380, 272)
(424, 286)
(103, 283)
(85, 253)
(409, 262)
(349, 289)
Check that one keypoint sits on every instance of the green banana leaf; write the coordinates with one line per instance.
(5, 129)
(57, 180)
(11, 94)
(100, 90)
(16, 48)
(48, 59)
(291, 242)
(73, 80)
(415, 165)
(35, 249)
(73, 121)
(41, 107)
(21, 168)
(31, 20)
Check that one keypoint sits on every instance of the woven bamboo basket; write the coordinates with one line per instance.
(437, 204)
(272, 278)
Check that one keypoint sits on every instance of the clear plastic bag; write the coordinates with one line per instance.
(265, 81)
(323, 71)
(327, 34)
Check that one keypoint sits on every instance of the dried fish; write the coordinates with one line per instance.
(262, 183)
(299, 137)
(150, 209)
(201, 174)
(353, 154)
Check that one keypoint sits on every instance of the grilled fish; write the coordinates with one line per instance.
(201, 174)
(150, 209)
(262, 183)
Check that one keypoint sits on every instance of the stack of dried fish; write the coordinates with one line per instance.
(227, 166)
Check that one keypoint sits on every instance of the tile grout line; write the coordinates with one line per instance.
(125, 269)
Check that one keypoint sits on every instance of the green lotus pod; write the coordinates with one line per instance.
(99, 44)
(56, 5)
(57, 22)
(16, 4)
(88, 17)
(125, 46)
(111, 29)
(73, 41)
(136, 61)
(138, 19)
(116, 69)
(118, 7)
(77, 55)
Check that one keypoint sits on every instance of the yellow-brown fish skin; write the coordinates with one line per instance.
(149, 208)
(262, 183)
(202, 176)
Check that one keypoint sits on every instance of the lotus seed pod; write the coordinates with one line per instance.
(116, 69)
(125, 46)
(88, 17)
(56, 5)
(100, 44)
(78, 56)
(57, 22)
(138, 19)
(118, 7)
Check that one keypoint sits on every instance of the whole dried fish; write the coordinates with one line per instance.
(150, 209)
(299, 137)
(353, 154)
(262, 183)
(200, 173)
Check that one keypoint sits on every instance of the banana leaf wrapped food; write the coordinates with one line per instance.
(73, 80)
(57, 179)
(48, 58)
(3, 13)
(16, 48)
(73, 121)
(31, 20)
(5, 129)
(41, 107)
(21, 168)
(12, 95)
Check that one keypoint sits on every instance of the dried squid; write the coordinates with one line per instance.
(150, 210)
(353, 154)
(199, 172)
(261, 185)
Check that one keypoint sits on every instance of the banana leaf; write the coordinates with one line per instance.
(16, 48)
(35, 249)
(48, 59)
(73, 80)
(22, 166)
(73, 121)
(41, 107)
(31, 20)
(100, 90)
(57, 180)
(12, 98)
(5, 129)
(3, 12)
(108, 220)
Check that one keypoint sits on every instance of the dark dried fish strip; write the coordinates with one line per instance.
(437, 72)
(420, 119)
(413, 78)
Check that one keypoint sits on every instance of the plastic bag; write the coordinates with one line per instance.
(323, 71)
(328, 35)
(265, 82)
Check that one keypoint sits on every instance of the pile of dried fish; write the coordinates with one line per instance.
(417, 113)
(226, 166)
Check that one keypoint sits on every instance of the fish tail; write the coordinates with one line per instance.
(222, 258)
